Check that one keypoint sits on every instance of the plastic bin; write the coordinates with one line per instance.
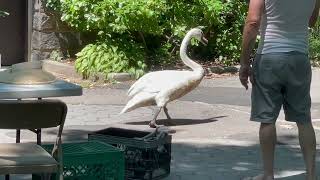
(147, 154)
(90, 160)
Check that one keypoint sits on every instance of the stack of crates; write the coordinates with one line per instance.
(91, 160)
(147, 154)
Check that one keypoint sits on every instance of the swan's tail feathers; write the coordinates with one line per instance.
(139, 100)
(132, 87)
(139, 82)
(135, 90)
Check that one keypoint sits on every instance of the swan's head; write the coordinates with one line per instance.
(198, 34)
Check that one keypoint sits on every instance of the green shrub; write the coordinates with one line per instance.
(314, 45)
(111, 56)
(112, 16)
(161, 57)
(224, 23)
(159, 25)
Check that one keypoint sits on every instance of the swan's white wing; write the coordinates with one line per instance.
(139, 100)
(139, 84)
(156, 81)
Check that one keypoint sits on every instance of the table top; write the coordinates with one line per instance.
(58, 88)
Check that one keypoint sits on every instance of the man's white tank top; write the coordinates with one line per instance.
(284, 26)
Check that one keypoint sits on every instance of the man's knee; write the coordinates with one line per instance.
(267, 125)
(267, 131)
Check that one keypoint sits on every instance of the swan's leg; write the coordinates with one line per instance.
(170, 123)
(153, 123)
(165, 109)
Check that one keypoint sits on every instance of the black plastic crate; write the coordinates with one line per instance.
(147, 154)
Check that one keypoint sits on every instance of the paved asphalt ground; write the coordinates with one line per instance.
(212, 136)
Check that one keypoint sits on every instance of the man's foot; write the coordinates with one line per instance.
(259, 177)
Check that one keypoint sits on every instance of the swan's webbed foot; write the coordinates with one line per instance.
(153, 124)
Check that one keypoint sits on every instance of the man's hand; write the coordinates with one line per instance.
(250, 32)
(315, 14)
(245, 73)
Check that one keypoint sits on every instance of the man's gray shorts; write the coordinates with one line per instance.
(281, 79)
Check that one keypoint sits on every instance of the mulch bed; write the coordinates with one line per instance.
(205, 64)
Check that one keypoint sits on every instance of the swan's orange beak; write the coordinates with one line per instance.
(204, 41)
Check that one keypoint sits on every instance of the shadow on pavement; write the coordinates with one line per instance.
(221, 161)
(71, 133)
(217, 159)
(178, 122)
(231, 162)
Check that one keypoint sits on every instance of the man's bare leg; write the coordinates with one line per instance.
(307, 141)
(268, 139)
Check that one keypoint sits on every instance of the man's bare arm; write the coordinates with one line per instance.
(251, 30)
(315, 14)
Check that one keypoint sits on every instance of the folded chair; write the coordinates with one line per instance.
(30, 158)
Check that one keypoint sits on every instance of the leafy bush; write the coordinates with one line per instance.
(159, 25)
(314, 45)
(224, 23)
(112, 16)
(111, 56)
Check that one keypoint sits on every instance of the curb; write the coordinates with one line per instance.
(121, 77)
(69, 71)
(60, 68)
(221, 70)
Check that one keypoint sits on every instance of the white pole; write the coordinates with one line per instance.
(30, 22)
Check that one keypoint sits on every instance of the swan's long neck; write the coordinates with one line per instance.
(184, 56)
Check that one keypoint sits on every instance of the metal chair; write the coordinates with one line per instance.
(30, 158)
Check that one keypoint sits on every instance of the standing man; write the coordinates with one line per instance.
(280, 73)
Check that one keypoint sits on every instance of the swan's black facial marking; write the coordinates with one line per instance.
(198, 34)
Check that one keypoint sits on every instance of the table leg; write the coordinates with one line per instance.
(38, 132)
(18, 132)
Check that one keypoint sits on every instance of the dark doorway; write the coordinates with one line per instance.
(13, 32)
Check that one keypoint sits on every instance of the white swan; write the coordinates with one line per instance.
(160, 87)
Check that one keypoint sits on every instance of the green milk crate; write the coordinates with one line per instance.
(91, 160)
